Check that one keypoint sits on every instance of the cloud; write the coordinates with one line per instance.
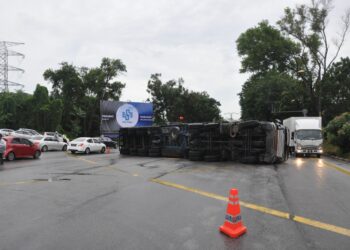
(184, 38)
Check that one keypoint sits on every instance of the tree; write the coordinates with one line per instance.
(67, 85)
(264, 48)
(266, 93)
(300, 48)
(101, 81)
(336, 89)
(172, 100)
(306, 25)
(80, 91)
(338, 132)
(40, 103)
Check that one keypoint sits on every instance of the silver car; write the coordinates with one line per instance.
(23, 134)
(6, 131)
(48, 143)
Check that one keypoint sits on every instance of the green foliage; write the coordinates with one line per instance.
(263, 94)
(336, 89)
(80, 92)
(264, 48)
(300, 48)
(172, 100)
(338, 131)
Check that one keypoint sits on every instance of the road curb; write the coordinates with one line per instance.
(338, 158)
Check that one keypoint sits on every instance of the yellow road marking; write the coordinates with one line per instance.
(340, 169)
(3, 184)
(284, 215)
(88, 161)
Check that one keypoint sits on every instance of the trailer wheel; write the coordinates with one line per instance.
(211, 158)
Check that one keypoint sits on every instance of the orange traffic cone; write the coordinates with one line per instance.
(233, 225)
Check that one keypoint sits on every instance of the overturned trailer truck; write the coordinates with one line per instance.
(247, 142)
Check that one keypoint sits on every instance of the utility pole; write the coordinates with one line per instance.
(5, 67)
(231, 113)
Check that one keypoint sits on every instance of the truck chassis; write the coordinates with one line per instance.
(246, 142)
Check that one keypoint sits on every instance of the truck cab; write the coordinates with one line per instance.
(305, 135)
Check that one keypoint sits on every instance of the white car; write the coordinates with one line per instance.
(47, 143)
(22, 134)
(86, 145)
(60, 137)
(6, 132)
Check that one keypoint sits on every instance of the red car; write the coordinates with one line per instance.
(17, 147)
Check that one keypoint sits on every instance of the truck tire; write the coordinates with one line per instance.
(211, 158)
(154, 152)
(124, 151)
(195, 155)
(142, 152)
(133, 151)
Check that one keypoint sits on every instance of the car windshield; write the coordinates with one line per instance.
(309, 134)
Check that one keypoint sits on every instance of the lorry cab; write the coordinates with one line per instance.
(305, 135)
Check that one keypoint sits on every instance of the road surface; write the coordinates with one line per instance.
(115, 202)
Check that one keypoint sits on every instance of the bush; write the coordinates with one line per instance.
(338, 132)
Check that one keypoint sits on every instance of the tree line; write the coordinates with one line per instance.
(294, 65)
(73, 104)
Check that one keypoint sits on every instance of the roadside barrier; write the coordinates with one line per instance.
(233, 225)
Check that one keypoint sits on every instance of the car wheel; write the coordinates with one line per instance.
(87, 151)
(73, 152)
(318, 156)
(64, 148)
(11, 156)
(103, 150)
(37, 154)
(44, 148)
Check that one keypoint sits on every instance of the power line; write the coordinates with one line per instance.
(5, 67)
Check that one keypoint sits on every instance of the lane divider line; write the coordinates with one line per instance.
(4, 184)
(266, 210)
(340, 169)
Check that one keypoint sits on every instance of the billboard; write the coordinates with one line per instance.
(115, 115)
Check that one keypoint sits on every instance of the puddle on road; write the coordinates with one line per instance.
(52, 179)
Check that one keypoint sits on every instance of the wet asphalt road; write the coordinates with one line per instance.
(109, 202)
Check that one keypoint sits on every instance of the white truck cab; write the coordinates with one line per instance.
(305, 135)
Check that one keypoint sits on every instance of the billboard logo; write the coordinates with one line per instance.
(127, 116)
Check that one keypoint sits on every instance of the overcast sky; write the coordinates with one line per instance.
(181, 38)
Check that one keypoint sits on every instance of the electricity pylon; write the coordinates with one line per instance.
(5, 67)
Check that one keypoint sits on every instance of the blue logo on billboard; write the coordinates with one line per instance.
(127, 116)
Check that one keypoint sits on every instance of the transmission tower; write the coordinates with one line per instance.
(5, 67)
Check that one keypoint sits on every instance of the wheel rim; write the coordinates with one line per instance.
(87, 151)
(37, 154)
(11, 156)
(44, 149)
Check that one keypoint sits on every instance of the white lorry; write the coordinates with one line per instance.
(305, 135)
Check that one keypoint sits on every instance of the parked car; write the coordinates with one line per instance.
(107, 141)
(47, 143)
(30, 131)
(23, 134)
(59, 136)
(86, 145)
(6, 131)
(17, 147)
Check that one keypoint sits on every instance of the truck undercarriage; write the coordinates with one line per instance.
(247, 142)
